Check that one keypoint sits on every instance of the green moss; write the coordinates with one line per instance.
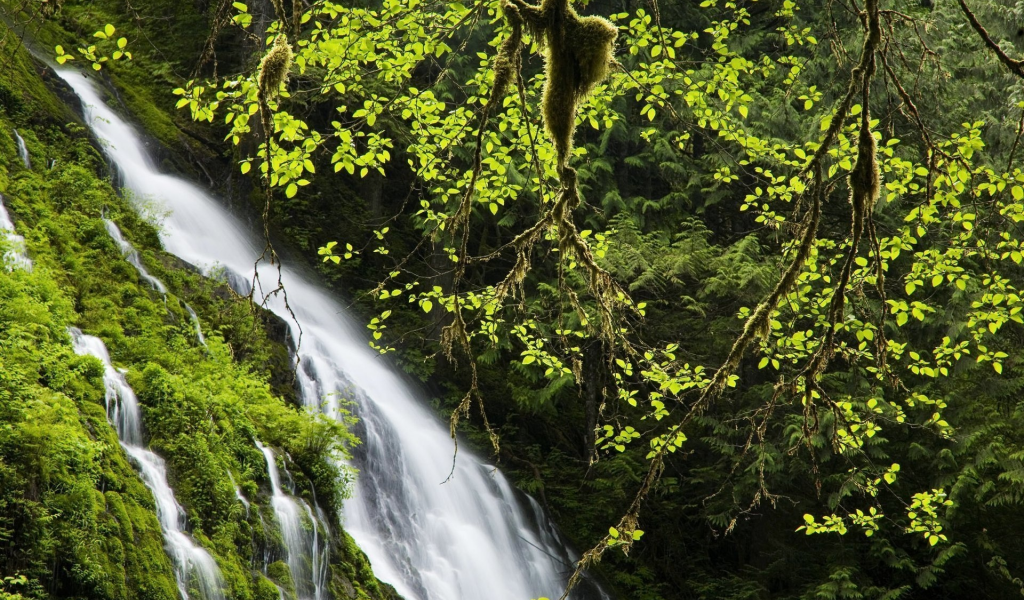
(282, 576)
(74, 515)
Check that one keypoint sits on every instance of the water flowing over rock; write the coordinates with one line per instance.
(300, 531)
(132, 256)
(195, 323)
(472, 538)
(195, 569)
(16, 256)
(239, 496)
(22, 150)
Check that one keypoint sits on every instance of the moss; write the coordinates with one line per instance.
(264, 589)
(282, 576)
(202, 405)
(577, 55)
(274, 67)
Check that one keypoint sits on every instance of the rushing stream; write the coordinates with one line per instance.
(472, 538)
(195, 569)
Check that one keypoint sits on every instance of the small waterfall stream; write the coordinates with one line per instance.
(132, 256)
(16, 256)
(238, 494)
(22, 150)
(300, 531)
(470, 539)
(195, 569)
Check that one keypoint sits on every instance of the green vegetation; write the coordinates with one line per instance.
(764, 320)
(75, 519)
(749, 326)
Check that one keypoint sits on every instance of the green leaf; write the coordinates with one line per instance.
(109, 30)
(426, 305)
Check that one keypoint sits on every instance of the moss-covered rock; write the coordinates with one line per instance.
(75, 519)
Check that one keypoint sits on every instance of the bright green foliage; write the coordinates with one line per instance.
(92, 53)
(75, 519)
(695, 166)
(946, 221)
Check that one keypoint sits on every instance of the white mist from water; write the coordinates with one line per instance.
(22, 150)
(16, 256)
(301, 535)
(469, 539)
(194, 567)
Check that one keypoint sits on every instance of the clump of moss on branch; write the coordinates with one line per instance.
(577, 52)
(274, 67)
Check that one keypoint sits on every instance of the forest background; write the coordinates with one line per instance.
(707, 331)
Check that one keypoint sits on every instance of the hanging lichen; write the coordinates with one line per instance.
(865, 178)
(274, 67)
(577, 52)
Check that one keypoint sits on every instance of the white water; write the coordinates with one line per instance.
(132, 256)
(195, 323)
(16, 256)
(301, 535)
(238, 494)
(469, 539)
(194, 567)
(22, 150)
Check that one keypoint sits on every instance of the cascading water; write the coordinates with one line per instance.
(16, 256)
(195, 323)
(238, 494)
(303, 546)
(22, 150)
(132, 256)
(472, 538)
(194, 567)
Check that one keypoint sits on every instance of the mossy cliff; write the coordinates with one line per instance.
(75, 519)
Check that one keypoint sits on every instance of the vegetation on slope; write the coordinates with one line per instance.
(75, 519)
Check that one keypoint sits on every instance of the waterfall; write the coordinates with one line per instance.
(16, 256)
(132, 256)
(305, 554)
(238, 494)
(22, 150)
(474, 537)
(194, 567)
(195, 323)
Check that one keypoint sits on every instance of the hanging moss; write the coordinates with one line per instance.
(577, 54)
(274, 67)
(865, 178)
